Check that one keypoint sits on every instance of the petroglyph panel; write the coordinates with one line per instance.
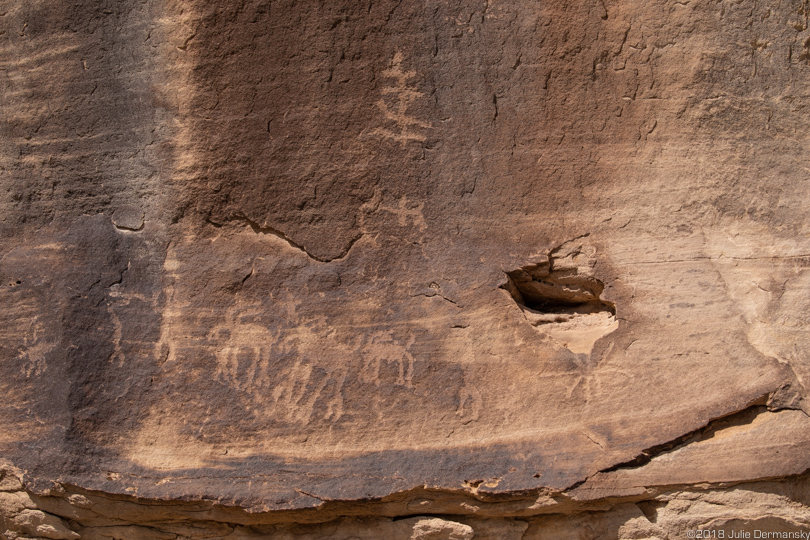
(289, 374)
(252, 251)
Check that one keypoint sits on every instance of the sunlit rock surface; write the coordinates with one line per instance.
(361, 269)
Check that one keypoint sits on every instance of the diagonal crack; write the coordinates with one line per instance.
(437, 295)
(259, 229)
(739, 417)
(302, 492)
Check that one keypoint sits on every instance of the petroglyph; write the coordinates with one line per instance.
(304, 384)
(405, 211)
(403, 95)
(255, 361)
(117, 333)
(120, 301)
(267, 355)
(237, 339)
(34, 350)
(380, 349)
(469, 402)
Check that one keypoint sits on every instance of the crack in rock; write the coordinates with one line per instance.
(266, 229)
(739, 417)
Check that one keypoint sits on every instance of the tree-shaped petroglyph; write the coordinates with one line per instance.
(403, 94)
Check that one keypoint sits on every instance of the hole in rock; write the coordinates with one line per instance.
(561, 296)
(540, 290)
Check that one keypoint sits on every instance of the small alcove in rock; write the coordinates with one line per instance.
(561, 297)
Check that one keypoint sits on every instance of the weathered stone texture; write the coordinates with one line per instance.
(68, 512)
(515, 258)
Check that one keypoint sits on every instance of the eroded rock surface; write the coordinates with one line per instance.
(65, 512)
(399, 268)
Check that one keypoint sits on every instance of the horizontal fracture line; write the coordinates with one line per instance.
(712, 259)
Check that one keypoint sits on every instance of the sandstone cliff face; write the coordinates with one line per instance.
(438, 269)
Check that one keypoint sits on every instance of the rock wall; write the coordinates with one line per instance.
(427, 269)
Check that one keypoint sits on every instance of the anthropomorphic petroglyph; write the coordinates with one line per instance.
(34, 350)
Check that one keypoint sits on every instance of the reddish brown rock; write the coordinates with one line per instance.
(483, 260)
